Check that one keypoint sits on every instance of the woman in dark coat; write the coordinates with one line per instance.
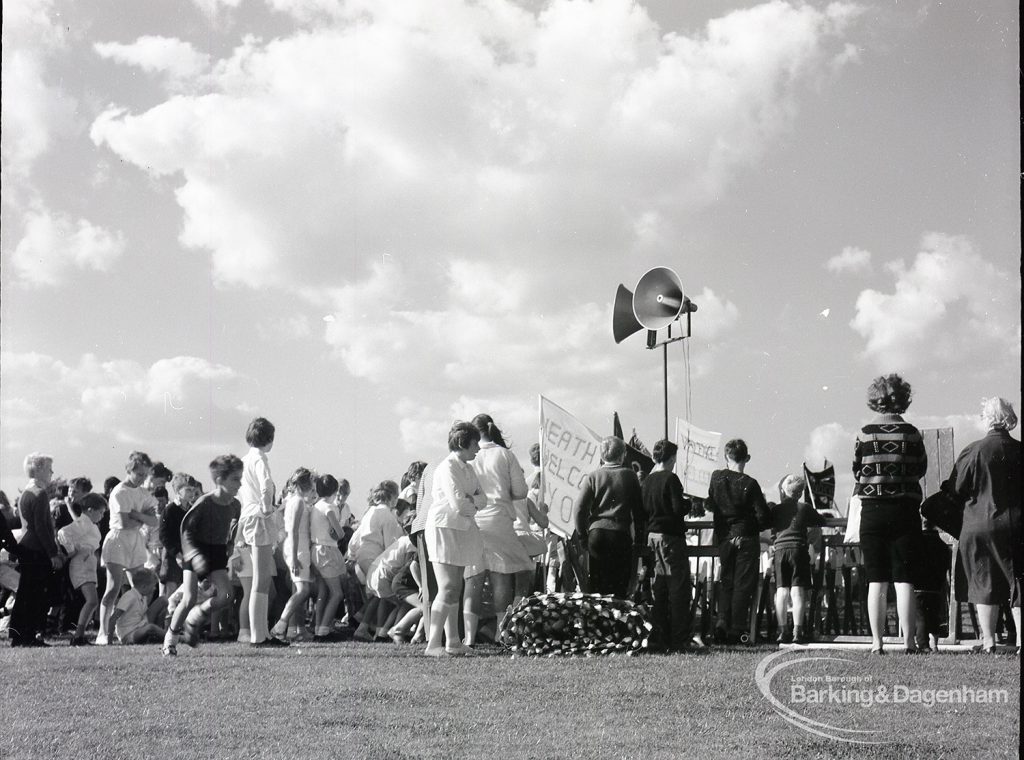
(987, 478)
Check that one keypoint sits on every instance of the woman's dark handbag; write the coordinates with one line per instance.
(944, 510)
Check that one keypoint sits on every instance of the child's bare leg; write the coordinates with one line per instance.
(799, 605)
(88, 609)
(472, 604)
(291, 609)
(115, 579)
(782, 606)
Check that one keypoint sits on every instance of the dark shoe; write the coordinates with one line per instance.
(169, 650)
(720, 636)
(329, 638)
(877, 650)
(79, 641)
(785, 637)
(800, 637)
(269, 643)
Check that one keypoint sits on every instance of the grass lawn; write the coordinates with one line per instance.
(386, 701)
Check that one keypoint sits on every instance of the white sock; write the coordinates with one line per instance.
(244, 635)
(258, 605)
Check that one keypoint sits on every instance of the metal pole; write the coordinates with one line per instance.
(664, 355)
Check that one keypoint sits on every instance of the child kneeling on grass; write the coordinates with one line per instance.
(387, 581)
(206, 535)
(133, 619)
(790, 519)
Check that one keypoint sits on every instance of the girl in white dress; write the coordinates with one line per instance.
(300, 494)
(124, 548)
(503, 482)
(453, 538)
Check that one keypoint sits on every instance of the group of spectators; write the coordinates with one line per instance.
(619, 518)
(159, 558)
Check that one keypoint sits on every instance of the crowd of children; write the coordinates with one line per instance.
(161, 559)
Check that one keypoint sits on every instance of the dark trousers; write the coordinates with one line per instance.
(611, 556)
(28, 617)
(670, 613)
(740, 570)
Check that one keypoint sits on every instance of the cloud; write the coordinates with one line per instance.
(851, 261)
(179, 408)
(176, 59)
(951, 307)
(488, 130)
(460, 348)
(54, 246)
(34, 108)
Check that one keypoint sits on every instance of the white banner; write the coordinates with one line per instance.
(568, 451)
(698, 457)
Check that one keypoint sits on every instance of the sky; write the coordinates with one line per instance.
(367, 220)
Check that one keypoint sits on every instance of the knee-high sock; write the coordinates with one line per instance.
(471, 621)
(258, 604)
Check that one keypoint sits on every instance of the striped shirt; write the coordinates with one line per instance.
(889, 459)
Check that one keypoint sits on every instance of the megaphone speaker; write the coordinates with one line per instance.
(624, 322)
(658, 300)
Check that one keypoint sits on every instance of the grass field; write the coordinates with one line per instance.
(385, 701)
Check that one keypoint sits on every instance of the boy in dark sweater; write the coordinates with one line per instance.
(667, 508)
(740, 512)
(790, 519)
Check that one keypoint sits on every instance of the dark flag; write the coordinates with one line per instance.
(821, 486)
(637, 455)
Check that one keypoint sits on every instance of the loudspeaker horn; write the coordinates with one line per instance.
(659, 299)
(624, 322)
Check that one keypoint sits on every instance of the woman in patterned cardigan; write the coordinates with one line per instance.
(888, 464)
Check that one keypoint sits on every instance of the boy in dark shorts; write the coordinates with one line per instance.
(207, 531)
(790, 519)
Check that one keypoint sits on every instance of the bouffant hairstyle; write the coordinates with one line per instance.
(160, 470)
(260, 433)
(461, 436)
(663, 451)
(485, 424)
(383, 492)
(613, 450)
(224, 465)
(736, 450)
(889, 394)
(997, 414)
(326, 486)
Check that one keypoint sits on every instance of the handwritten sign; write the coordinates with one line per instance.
(698, 457)
(568, 451)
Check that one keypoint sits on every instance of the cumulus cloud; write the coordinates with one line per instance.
(179, 408)
(850, 261)
(54, 246)
(487, 130)
(176, 59)
(488, 360)
(950, 306)
(35, 109)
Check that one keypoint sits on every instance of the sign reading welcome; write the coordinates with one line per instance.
(568, 451)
